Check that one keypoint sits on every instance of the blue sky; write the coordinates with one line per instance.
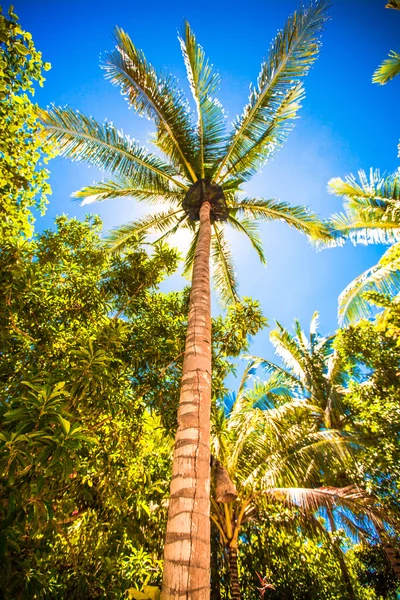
(346, 123)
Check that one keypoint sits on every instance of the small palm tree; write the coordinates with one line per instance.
(199, 177)
(372, 216)
(277, 454)
(312, 371)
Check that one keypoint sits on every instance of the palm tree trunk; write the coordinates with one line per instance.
(345, 574)
(233, 573)
(393, 557)
(187, 544)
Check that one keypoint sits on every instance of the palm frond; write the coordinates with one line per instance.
(388, 69)
(250, 228)
(291, 55)
(315, 338)
(271, 368)
(287, 347)
(83, 139)
(188, 265)
(383, 278)
(211, 118)
(224, 275)
(257, 154)
(120, 237)
(155, 96)
(298, 217)
(365, 229)
(121, 187)
(351, 498)
(393, 4)
(373, 192)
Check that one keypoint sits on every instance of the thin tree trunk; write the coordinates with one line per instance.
(343, 567)
(345, 574)
(393, 557)
(233, 573)
(187, 544)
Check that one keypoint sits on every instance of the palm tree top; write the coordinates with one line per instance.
(198, 158)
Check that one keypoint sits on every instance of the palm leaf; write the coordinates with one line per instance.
(383, 278)
(287, 347)
(373, 192)
(298, 217)
(271, 368)
(250, 228)
(155, 96)
(275, 134)
(365, 229)
(203, 84)
(83, 139)
(224, 275)
(120, 237)
(121, 187)
(393, 4)
(188, 265)
(388, 69)
(291, 55)
(352, 498)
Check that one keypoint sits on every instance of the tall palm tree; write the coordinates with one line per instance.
(200, 177)
(372, 215)
(274, 451)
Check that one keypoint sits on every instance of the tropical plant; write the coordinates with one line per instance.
(276, 453)
(89, 347)
(312, 371)
(23, 184)
(200, 179)
(372, 216)
(390, 67)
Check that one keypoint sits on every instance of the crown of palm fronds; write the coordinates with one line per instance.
(196, 145)
(311, 370)
(270, 437)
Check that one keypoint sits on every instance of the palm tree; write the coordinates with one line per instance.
(372, 216)
(200, 177)
(274, 451)
(312, 371)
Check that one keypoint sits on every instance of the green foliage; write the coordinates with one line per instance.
(372, 216)
(300, 568)
(371, 353)
(87, 343)
(23, 180)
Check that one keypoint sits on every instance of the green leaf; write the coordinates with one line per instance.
(65, 425)
(21, 48)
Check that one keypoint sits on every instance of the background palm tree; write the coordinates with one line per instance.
(311, 371)
(276, 454)
(372, 215)
(200, 179)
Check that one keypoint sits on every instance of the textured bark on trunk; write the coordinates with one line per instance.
(187, 544)
(233, 573)
(393, 557)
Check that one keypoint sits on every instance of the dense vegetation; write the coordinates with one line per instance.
(91, 361)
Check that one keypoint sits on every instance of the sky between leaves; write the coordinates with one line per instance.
(346, 123)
